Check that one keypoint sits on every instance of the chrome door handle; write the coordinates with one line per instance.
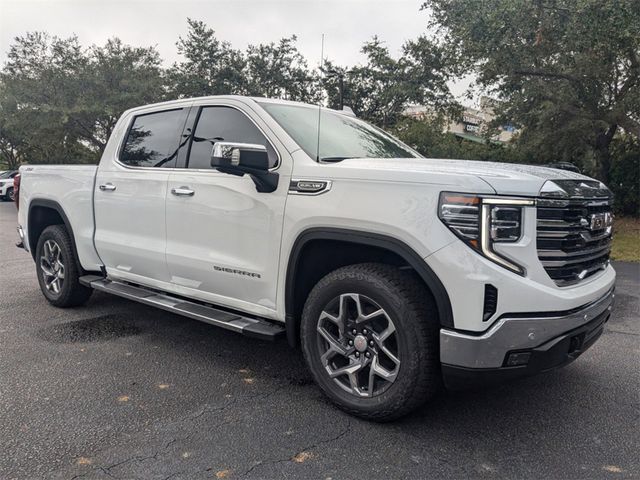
(107, 187)
(183, 192)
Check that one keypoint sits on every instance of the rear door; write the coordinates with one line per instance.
(223, 237)
(130, 194)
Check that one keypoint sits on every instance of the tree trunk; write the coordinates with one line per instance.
(603, 153)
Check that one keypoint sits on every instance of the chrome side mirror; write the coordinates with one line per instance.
(245, 158)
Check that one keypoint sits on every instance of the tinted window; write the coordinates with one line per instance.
(153, 139)
(340, 136)
(217, 124)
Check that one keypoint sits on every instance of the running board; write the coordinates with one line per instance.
(251, 327)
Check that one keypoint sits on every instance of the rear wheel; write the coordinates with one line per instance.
(370, 338)
(58, 271)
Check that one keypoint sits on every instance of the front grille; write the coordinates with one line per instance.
(572, 244)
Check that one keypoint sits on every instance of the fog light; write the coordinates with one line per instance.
(518, 358)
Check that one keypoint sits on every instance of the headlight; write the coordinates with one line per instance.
(481, 222)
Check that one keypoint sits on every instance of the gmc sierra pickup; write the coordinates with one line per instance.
(397, 274)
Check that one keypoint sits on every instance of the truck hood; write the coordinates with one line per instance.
(503, 178)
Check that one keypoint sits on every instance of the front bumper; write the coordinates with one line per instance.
(522, 344)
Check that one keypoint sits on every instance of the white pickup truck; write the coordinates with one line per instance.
(397, 274)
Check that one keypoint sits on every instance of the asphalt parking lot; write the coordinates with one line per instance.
(119, 390)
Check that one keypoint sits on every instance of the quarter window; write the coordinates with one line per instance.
(153, 139)
(217, 124)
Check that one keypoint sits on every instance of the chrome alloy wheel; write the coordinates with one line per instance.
(358, 345)
(52, 266)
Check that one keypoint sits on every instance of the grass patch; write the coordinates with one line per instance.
(626, 239)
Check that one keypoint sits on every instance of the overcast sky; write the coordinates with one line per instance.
(347, 24)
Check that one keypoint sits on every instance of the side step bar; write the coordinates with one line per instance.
(251, 327)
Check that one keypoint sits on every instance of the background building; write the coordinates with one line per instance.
(472, 122)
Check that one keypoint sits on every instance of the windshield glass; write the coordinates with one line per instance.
(341, 136)
(5, 174)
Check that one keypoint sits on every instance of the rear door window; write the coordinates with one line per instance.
(153, 139)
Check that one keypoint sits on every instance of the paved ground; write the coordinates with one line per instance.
(119, 390)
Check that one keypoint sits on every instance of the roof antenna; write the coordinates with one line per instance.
(320, 99)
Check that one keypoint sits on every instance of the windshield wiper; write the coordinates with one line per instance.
(334, 159)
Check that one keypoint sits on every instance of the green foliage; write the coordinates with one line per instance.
(429, 138)
(624, 179)
(381, 89)
(213, 67)
(59, 102)
(568, 71)
(210, 66)
(278, 70)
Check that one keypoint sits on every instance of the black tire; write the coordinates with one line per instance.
(70, 292)
(9, 196)
(410, 306)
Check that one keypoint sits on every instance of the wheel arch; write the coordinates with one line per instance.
(43, 213)
(396, 249)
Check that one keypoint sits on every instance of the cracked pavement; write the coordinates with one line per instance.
(119, 390)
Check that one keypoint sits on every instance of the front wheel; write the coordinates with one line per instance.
(58, 271)
(10, 195)
(370, 338)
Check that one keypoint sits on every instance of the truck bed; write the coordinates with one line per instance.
(68, 188)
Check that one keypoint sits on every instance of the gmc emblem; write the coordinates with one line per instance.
(600, 221)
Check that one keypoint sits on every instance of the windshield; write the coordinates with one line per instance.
(340, 136)
(5, 174)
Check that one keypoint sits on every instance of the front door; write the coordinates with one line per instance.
(223, 237)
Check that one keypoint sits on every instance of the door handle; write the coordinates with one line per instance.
(183, 192)
(107, 187)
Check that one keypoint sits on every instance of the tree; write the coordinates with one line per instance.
(381, 89)
(428, 136)
(278, 70)
(59, 102)
(12, 140)
(213, 67)
(38, 86)
(568, 71)
(210, 66)
(116, 77)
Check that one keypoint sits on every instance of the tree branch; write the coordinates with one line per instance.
(630, 125)
(540, 73)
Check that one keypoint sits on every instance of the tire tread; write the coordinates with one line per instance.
(73, 293)
(418, 301)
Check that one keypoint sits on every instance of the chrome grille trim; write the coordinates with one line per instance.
(568, 249)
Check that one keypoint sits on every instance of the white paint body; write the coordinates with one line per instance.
(143, 234)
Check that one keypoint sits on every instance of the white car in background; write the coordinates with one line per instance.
(6, 184)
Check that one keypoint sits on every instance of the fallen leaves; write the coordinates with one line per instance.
(163, 386)
(223, 473)
(123, 398)
(612, 469)
(303, 457)
(249, 380)
(83, 461)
